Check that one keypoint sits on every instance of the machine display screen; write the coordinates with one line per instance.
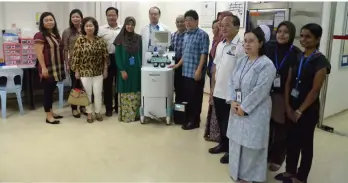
(162, 37)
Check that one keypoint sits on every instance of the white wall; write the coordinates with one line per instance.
(336, 100)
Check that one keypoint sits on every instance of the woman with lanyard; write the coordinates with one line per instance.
(248, 128)
(302, 91)
(283, 54)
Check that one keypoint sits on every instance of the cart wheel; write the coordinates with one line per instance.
(142, 119)
(168, 121)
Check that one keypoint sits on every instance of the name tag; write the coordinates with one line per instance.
(295, 93)
(239, 96)
(131, 61)
(277, 82)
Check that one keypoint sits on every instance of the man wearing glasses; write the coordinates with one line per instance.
(194, 67)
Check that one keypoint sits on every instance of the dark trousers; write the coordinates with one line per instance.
(108, 86)
(178, 85)
(74, 84)
(193, 95)
(222, 111)
(48, 87)
(277, 143)
(300, 140)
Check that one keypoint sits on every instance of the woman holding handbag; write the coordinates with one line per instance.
(69, 37)
(90, 63)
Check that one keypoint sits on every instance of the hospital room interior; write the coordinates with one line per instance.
(174, 91)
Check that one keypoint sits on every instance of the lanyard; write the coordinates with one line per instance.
(276, 58)
(150, 31)
(241, 74)
(299, 70)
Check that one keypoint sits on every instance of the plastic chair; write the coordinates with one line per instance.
(14, 82)
(60, 86)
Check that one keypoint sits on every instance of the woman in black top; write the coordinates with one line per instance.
(302, 91)
(283, 54)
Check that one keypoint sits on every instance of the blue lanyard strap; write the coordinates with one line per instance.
(276, 58)
(241, 73)
(299, 70)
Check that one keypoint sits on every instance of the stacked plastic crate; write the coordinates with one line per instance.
(12, 53)
(28, 51)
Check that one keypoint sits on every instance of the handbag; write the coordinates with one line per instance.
(78, 96)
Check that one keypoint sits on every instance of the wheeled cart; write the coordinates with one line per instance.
(157, 89)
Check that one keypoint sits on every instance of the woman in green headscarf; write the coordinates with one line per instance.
(128, 60)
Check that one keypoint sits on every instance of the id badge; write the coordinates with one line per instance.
(239, 96)
(131, 61)
(277, 82)
(294, 93)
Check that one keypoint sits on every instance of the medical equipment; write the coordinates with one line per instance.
(157, 80)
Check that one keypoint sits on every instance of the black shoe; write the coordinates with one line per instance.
(218, 149)
(58, 117)
(78, 115)
(108, 113)
(282, 177)
(83, 110)
(190, 126)
(225, 159)
(54, 122)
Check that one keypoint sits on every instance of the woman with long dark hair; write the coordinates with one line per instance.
(283, 54)
(69, 37)
(49, 51)
(302, 89)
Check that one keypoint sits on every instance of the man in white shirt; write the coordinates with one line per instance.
(109, 32)
(154, 15)
(227, 53)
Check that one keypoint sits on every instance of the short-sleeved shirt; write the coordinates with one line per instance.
(53, 55)
(317, 62)
(90, 56)
(177, 40)
(196, 43)
(227, 54)
(69, 38)
(109, 34)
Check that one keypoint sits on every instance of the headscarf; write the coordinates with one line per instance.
(130, 40)
(267, 31)
(292, 30)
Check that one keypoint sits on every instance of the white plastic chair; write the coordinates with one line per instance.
(11, 87)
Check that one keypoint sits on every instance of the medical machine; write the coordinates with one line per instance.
(157, 80)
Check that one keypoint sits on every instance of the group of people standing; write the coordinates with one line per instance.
(94, 56)
(264, 100)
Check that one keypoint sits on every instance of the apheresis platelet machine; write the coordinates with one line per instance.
(157, 80)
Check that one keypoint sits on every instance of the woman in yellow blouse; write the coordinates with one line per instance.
(90, 63)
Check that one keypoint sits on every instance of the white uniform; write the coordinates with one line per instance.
(225, 60)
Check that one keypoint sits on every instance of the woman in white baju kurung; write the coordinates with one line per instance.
(248, 128)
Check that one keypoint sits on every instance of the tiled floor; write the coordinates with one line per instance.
(31, 150)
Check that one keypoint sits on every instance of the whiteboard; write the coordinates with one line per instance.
(207, 14)
(238, 9)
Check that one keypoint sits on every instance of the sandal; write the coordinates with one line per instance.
(90, 120)
(283, 176)
(98, 117)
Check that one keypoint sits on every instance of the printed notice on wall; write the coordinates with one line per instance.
(279, 17)
(207, 13)
(264, 22)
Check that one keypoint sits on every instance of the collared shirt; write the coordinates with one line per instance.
(109, 35)
(227, 54)
(177, 40)
(196, 43)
